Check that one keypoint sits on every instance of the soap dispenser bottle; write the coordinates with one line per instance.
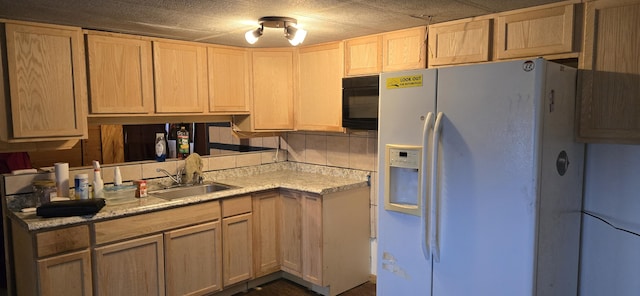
(161, 147)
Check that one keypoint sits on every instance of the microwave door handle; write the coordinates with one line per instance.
(424, 192)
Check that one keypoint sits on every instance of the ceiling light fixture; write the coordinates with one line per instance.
(292, 31)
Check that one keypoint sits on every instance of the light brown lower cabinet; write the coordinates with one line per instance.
(54, 262)
(193, 260)
(201, 249)
(291, 232)
(237, 247)
(266, 232)
(325, 238)
(312, 239)
(68, 274)
(133, 267)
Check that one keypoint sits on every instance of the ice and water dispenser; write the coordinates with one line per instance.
(402, 179)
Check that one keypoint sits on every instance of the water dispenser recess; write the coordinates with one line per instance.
(402, 179)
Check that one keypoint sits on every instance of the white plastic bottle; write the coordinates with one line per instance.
(117, 177)
(98, 184)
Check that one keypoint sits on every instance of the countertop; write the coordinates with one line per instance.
(303, 177)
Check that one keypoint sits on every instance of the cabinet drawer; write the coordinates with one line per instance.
(236, 205)
(62, 240)
(144, 224)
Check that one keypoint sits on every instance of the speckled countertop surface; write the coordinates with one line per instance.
(303, 177)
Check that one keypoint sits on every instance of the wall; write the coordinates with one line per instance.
(610, 258)
(355, 150)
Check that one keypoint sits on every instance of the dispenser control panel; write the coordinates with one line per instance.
(402, 177)
(405, 157)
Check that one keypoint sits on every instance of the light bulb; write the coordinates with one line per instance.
(252, 35)
(295, 35)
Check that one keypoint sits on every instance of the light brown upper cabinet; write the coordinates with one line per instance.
(120, 74)
(404, 49)
(319, 103)
(363, 55)
(273, 88)
(47, 84)
(180, 72)
(459, 42)
(229, 71)
(610, 69)
(535, 32)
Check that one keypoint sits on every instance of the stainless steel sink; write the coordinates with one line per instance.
(186, 191)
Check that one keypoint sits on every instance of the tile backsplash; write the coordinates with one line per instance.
(18, 184)
(356, 150)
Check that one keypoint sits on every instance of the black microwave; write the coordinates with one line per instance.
(360, 102)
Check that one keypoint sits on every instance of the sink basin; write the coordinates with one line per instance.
(186, 191)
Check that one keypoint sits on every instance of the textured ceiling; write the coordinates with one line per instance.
(226, 21)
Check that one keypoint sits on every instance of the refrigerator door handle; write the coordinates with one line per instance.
(424, 193)
(433, 207)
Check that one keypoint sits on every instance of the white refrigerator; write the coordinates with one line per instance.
(482, 181)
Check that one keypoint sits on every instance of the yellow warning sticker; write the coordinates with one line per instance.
(404, 81)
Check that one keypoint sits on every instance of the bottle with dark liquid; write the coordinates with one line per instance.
(182, 143)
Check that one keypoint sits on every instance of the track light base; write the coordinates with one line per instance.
(276, 21)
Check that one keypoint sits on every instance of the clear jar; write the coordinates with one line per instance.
(43, 191)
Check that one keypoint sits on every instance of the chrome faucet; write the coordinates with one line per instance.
(177, 179)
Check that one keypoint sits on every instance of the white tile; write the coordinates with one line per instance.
(338, 151)
(283, 141)
(358, 157)
(22, 183)
(296, 144)
(214, 134)
(205, 163)
(256, 142)
(316, 149)
(374, 188)
(373, 216)
(270, 142)
(225, 135)
(249, 159)
(372, 153)
(222, 162)
(149, 169)
(131, 172)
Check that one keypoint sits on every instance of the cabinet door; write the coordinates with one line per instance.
(291, 233)
(363, 55)
(319, 103)
(273, 90)
(68, 274)
(266, 233)
(610, 67)
(404, 50)
(228, 79)
(537, 32)
(134, 267)
(237, 249)
(180, 77)
(459, 42)
(312, 256)
(193, 260)
(47, 82)
(120, 75)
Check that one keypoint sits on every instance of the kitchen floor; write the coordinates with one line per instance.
(284, 287)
